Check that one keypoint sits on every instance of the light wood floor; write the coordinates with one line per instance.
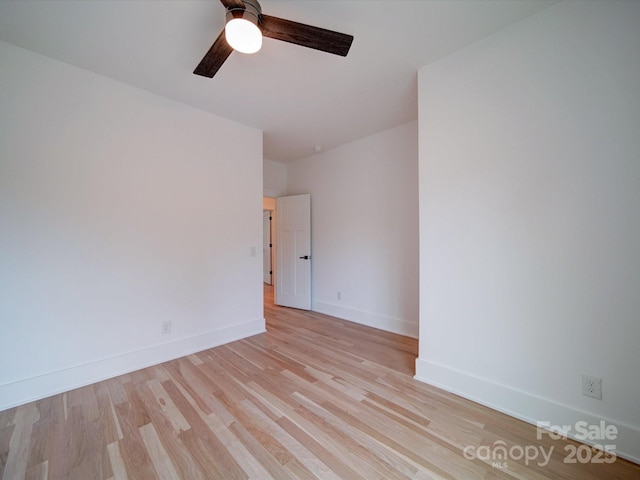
(314, 397)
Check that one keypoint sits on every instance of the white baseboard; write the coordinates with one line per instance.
(523, 405)
(42, 386)
(382, 322)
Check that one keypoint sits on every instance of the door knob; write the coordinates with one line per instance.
(306, 257)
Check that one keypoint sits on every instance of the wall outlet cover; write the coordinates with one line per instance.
(592, 386)
(166, 327)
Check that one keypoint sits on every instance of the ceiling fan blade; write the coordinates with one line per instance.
(214, 58)
(233, 3)
(306, 35)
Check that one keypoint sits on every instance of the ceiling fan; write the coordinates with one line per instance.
(245, 26)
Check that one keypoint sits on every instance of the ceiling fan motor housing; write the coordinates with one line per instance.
(251, 12)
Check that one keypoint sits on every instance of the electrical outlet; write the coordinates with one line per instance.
(592, 386)
(166, 327)
(339, 295)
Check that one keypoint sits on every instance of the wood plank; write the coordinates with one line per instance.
(6, 433)
(165, 426)
(250, 465)
(117, 463)
(304, 459)
(19, 443)
(157, 395)
(38, 472)
(132, 448)
(191, 379)
(109, 425)
(161, 461)
(210, 452)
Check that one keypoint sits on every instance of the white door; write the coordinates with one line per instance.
(266, 246)
(293, 230)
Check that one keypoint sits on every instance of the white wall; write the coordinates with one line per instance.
(118, 210)
(275, 178)
(530, 218)
(364, 232)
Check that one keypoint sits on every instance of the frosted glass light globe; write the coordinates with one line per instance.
(243, 35)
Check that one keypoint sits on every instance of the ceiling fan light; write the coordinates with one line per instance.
(242, 31)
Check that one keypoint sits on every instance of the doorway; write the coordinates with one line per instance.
(269, 253)
(269, 240)
(267, 247)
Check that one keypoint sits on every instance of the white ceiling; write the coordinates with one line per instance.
(299, 97)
